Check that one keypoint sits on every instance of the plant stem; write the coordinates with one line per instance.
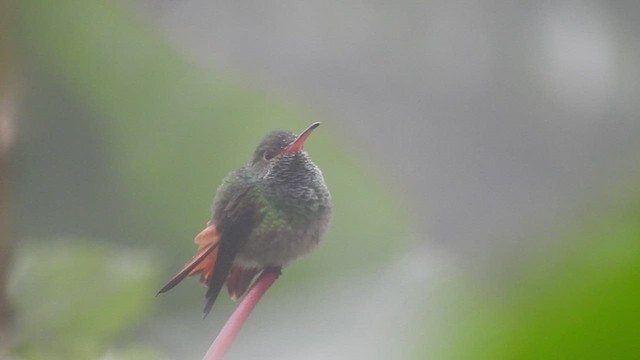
(223, 341)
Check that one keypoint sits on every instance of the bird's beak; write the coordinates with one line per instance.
(298, 143)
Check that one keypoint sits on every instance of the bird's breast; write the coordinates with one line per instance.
(290, 227)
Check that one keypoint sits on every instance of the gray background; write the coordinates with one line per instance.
(490, 118)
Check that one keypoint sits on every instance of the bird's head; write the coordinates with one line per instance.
(279, 150)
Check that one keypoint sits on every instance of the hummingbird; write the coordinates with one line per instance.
(265, 214)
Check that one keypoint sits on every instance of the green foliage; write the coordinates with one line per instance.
(75, 297)
(577, 299)
(586, 305)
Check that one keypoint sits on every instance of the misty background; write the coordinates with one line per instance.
(482, 157)
(489, 118)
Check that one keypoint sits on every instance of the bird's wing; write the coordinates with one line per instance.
(218, 244)
(235, 212)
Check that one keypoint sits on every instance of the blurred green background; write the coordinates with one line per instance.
(486, 202)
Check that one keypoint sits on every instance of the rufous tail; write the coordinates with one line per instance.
(203, 263)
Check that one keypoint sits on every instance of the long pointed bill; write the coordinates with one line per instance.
(298, 143)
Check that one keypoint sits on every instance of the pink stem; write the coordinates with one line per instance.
(223, 341)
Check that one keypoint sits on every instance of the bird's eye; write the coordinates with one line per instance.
(267, 155)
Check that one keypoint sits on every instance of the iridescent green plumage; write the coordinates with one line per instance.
(266, 214)
(288, 198)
